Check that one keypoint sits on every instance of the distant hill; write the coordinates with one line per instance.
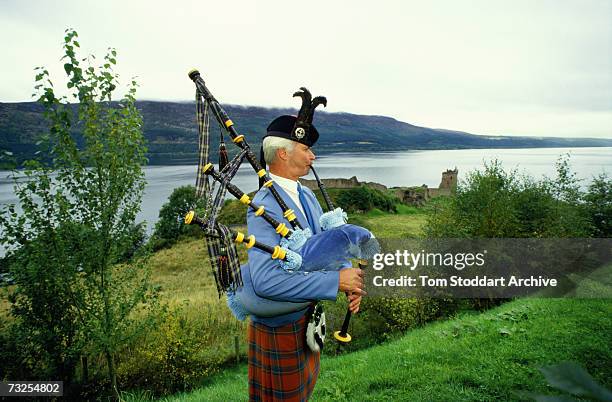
(171, 131)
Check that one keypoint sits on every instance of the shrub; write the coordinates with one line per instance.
(494, 203)
(170, 362)
(598, 205)
(183, 350)
(401, 314)
(381, 318)
(364, 199)
(171, 226)
(233, 213)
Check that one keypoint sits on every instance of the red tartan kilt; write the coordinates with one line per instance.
(281, 366)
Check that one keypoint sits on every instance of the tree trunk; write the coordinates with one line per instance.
(112, 374)
(84, 370)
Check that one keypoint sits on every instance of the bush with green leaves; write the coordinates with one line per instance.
(79, 288)
(233, 212)
(171, 224)
(382, 318)
(495, 203)
(175, 357)
(401, 314)
(598, 205)
(364, 199)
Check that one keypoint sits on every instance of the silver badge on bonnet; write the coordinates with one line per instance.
(299, 133)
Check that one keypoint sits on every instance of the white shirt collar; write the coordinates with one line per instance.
(290, 187)
(286, 184)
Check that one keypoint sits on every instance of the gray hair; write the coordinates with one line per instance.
(271, 144)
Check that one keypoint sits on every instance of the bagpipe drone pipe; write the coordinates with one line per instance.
(298, 250)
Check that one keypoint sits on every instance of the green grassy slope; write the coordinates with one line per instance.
(490, 356)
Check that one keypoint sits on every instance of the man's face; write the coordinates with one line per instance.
(300, 159)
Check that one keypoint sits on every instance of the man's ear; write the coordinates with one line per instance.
(282, 154)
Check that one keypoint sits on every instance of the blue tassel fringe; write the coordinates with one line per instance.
(296, 240)
(333, 219)
(236, 307)
(293, 262)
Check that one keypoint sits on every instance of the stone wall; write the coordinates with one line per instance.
(412, 195)
(342, 183)
(408, 195)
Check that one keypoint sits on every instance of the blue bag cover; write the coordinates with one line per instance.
(329, 250)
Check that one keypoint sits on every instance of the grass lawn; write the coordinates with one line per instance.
(407, 222)
(489, 356)
(184, 272)
(185, 279)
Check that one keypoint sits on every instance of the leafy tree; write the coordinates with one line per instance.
(568, 216)
(170, 226)
(493, 203)
(75, 293)
(598, 205)
(481, 207)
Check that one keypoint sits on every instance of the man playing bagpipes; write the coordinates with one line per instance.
(289, 270)
(280, 362)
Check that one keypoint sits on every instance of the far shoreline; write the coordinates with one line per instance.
(324, 154)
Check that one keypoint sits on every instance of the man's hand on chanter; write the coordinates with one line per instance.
(351, 281)
(354, 302)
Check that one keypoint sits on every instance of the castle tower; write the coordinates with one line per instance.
(449, 180)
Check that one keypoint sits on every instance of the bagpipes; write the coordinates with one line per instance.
(298, 249)
(342, 335)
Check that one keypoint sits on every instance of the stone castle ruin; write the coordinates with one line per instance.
(420, 195)
(408, 195)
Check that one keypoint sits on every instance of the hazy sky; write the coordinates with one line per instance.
(513, 67)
